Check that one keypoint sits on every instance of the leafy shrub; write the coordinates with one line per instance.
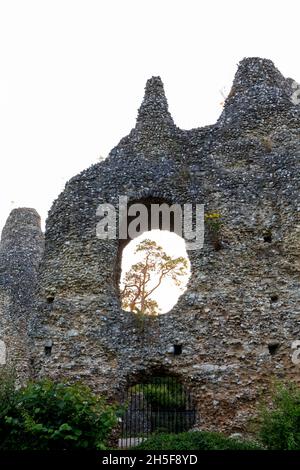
(7, 399)
(279, 427)
(7, 390)
(195, 440)
(54, 416)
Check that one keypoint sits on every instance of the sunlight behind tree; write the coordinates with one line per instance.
(155, 272)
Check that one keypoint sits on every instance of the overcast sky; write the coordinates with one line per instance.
(73, 74)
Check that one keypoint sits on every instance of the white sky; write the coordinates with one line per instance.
(167, 293)
(72, 76)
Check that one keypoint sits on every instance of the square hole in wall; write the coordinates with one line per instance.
(177, 349)
(48, 350)
(267, 237)
(273, 347)
(50, 299)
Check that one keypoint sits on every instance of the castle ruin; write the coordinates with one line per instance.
(60, 313)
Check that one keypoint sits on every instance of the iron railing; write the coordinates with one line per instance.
(160, 404)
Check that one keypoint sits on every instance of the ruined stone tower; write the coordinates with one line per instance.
(239, 316)
(21, 249)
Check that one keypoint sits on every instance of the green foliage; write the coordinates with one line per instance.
(279, 427)
(7, 399)
(7, 390)
(54, 416)
(214, 224)
(196, 440)
(164, 395)
(214, 220)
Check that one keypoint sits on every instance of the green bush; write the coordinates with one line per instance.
(7, 400)
(195, 440)
(7, 390)
(53, 416)
(279, 427)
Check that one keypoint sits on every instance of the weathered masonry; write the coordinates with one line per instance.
(234, 326)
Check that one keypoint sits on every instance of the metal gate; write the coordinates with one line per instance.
(160, 404)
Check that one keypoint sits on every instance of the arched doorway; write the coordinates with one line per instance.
(159, 403)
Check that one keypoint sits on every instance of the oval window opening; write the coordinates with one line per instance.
(155, 272)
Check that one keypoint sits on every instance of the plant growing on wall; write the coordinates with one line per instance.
(146, 276)
(213, 222)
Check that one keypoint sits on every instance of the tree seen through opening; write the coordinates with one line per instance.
(155, 272)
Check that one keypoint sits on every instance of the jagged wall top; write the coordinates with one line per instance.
(259, 96)
(154, 110)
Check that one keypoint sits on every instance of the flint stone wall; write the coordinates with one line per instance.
(240, 313)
